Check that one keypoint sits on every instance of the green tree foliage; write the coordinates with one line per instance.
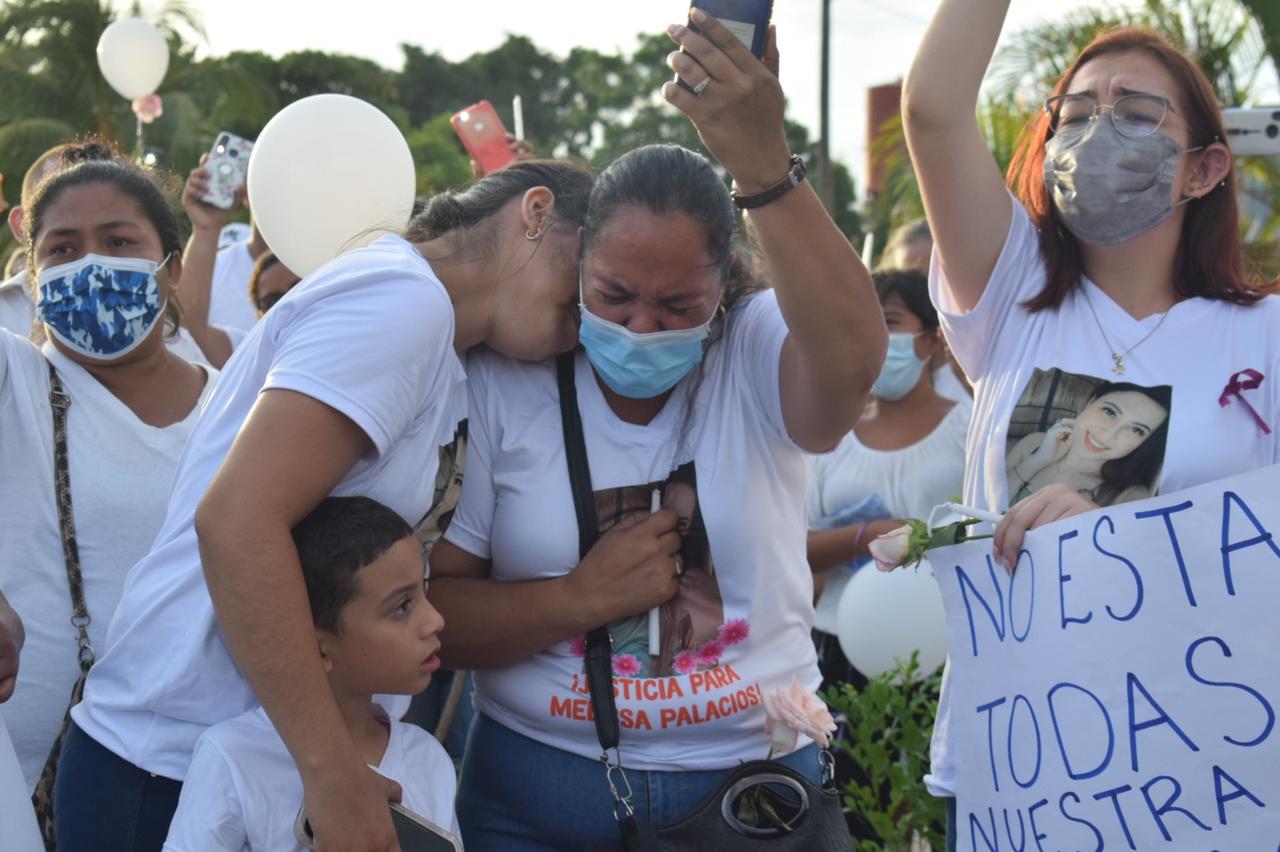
(588, 104)
(1267, 14)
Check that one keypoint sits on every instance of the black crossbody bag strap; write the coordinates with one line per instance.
(636, 835)
(599, 646)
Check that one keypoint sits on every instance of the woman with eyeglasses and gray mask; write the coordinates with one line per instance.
(1112, 246)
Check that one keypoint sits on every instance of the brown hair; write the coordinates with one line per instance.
(1210, 256)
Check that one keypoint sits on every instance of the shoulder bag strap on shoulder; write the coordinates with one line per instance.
(599, 646)
(59, 402)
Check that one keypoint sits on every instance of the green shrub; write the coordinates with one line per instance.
(887, 727)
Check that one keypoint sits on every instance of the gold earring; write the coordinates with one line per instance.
(532, 234)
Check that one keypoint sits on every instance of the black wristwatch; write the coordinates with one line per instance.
(795, 174)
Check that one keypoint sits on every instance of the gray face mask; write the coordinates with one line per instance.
(1110, 188)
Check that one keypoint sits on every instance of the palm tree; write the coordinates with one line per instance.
(1267, 14)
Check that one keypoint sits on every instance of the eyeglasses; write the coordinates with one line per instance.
(1133, 116)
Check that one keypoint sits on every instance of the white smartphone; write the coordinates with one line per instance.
(415, 833)
(1253, 132)
(228, 167)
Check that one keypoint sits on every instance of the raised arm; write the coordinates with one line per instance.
(207, 222)
(964, 193)
(837, 337)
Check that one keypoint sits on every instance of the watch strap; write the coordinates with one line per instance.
(795, 175)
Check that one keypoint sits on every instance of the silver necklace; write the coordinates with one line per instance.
(1118, 358)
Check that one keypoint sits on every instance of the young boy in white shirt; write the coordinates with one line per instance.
(377, 633)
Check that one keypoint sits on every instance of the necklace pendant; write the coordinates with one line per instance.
(1119, 368)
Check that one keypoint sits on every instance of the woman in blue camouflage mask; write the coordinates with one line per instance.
(104, 259)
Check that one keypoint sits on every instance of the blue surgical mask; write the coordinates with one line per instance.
(101, 307)
(639, 366)
(902, 367)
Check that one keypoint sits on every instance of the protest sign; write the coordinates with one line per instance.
(1119, 690)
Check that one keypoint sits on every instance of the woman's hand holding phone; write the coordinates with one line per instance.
(738, 112)
(203, 215)
(522, 148)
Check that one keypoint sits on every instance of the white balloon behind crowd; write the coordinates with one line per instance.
(328, 173)
(133, 56)
(883, 617)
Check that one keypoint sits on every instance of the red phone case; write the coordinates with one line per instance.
(484, 136)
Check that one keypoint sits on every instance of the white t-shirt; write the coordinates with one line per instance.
(948, 386)
(16, 815)
(229, 303)
(121, 470)
(369, 334)
(235, 336)
(17, 314)
(1031, 371)
(243, 791)
(908, 483)
(746, 583)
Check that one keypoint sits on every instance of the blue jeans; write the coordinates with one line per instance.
(518, 795)
(951, 824)
(103, 803)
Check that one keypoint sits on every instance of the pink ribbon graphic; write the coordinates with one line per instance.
(1243, 381)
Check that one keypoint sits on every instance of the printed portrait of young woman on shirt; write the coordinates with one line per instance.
(691, 633)
(1104, 439)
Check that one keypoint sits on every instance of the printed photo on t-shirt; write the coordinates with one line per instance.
(691, 625)
(448, 489)
(1105, 439)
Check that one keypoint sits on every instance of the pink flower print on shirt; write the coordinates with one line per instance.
(685, 662)
(626, 665)
(733, 631)
(578, 645)
(709, 654)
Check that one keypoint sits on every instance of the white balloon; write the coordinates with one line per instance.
(883, 617)
(327, 174)
(133, 56)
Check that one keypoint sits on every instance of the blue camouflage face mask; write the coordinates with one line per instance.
(902, 367)
(101, 307)
(639, 366)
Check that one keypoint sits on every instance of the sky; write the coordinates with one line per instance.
(872, 40)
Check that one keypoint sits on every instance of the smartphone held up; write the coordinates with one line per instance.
(484, 136)
(228, 167)
(747, 19)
